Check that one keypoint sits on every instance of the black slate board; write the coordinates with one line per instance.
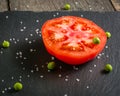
(25, 60)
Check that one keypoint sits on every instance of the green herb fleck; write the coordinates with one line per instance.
(108, 34)
(6, 44)
(67, 6)
(18, 86)
(108, 67)
(51, 65)
(96, 40)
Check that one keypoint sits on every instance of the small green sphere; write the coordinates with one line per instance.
(96, 40)
(108, 67)
(108, 34)
(51, 65)
(67, 6)
(6, 44)
(18, 86)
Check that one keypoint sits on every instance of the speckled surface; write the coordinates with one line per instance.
(26, 59)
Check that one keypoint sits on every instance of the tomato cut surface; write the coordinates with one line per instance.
(70, 39)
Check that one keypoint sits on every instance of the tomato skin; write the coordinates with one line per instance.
(71, 56)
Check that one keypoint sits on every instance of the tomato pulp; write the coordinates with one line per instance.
(70, 39)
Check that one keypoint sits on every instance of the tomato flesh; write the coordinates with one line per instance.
(70, 39)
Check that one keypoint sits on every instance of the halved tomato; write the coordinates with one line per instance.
(70, 39)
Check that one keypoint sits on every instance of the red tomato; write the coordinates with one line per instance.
(70, 39)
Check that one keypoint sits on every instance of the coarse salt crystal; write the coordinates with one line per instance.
(87, 87)
(41, 76)
(28, 76)
(21, 30)
(32, 71)
(6, 17)
(24, 27)
(3, 91)
(66, 79)
(59, 75)
(94, 65)
(65, 95)
(26, 39)
(77, 79)
(21, 22)
(90, 70)
(3, 80)
(37, 20)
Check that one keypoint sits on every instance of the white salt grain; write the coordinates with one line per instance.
(107, 56)
(60, 67)
(23, 68)
(37, 69)
(98, 57)
(10, 39)
(52, 58)
(87, 87)
(9, 88)
(1, 52)
(3, 91)
(77, 79)
(17, 40)
(41, 76)
(20, 53)
(65, 95)
(32, 71)
(21, 22)
(81, 15)
(31, 50)
(6, 17)
(57, 13)
(48, 70)
(15, 9)
(66, 76)
(37, 21)
(94, 65)
(26, 39)
(20, 80)
(106, 46)
(16, 57)
(21, 30)
(42, 66)
(31, 35)
(12, 77)
(27, 6)
(24, 27)
(66, 79)
(37, 30)
(54, 15)
(20, 76)
(90, 8)
(24, 58)
(76, 3)
(103, 8)
(59, 75)
(30, 42)
(90, 70)
(3, 80)
(28, 76)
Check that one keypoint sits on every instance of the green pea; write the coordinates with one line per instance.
(96, 40)
(6, 44)
(108, 34)
(18, 86)
(51, 65)
(108, 67)
(67, 6)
